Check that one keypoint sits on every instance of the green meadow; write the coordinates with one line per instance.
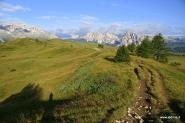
(64, 81)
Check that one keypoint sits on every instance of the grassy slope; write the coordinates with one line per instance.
(39, 63)
(170, 85)
(68, 70)
(78, 74)
(174, 76)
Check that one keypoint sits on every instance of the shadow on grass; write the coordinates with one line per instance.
(110, 58)
(21, 102)
(179, 108)
(108, 115)
(27, 106)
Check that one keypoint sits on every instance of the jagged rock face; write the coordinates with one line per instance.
(130, 38)
(10, 31)
(19, 28)
(109, 38)
(101, 37)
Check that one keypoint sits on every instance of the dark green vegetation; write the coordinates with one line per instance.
(63, 81)
(159, 49)
(177, 47)
(100, 46)
(155, 48)
(132, 48)
(145, 48)
(122, 54)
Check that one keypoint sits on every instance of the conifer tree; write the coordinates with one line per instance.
(159, 49)
(122, 54)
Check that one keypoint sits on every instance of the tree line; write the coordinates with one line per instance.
(149, 48)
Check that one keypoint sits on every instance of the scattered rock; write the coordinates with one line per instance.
(129, 115)
(150, 107)
(141, 107)
(117, 121)
(141, 121)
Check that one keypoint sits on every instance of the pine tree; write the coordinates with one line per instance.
(122, 54)
(144, 49)
(131, 47)
(159, 49)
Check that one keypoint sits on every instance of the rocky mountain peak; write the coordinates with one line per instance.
(10, 31)
(129, 38)
(113, 39)
(100, 37)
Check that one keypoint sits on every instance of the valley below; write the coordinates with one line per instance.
(63, 81)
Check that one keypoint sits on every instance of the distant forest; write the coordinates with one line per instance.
(177, 47)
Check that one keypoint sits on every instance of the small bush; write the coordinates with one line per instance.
(122, 54)
(12, 70)
(100, 46)
(175, 63)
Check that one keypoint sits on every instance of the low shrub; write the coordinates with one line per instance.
(100, 46)
(175, 63)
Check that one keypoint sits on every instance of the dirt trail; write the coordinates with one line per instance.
(163, 92)
(142, 107)
(142, 110)
(109, 113)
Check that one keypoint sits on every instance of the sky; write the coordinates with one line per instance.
(82, 16)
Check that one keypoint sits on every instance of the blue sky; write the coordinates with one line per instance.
(146, 16)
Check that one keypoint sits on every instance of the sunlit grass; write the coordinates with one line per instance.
(80, 75)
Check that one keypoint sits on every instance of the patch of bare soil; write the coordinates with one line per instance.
(142, 107)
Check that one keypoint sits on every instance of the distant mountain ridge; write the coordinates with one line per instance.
(110, 38)
(12, 31)
(122, 38)
(100, 37)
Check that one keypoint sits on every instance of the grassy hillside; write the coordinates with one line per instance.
(65, 81)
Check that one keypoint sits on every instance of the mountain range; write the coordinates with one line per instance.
(123, 38)
(12, 31)
(110, 38)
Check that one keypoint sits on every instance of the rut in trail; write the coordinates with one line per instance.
(165, 103)
(142, 107)
(109, 113)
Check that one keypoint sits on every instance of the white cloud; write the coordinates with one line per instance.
(12, 8)
(87, 21)
(120, 28)
(89, 18)
(81, 19)
(47, 17)
(10, 20)
(84, 23)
